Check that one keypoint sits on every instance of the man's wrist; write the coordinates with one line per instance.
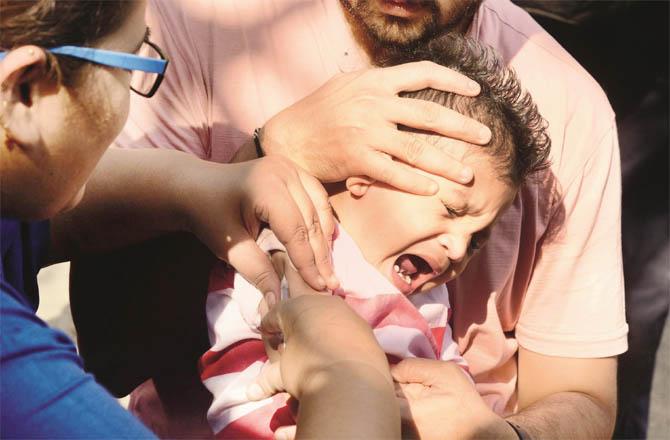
(520, 432)
(258, 142)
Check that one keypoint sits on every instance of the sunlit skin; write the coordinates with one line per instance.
(64, 131)
(444, 230)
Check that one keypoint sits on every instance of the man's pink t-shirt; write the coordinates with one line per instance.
(550, 279)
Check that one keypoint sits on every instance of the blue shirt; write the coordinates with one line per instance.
(44, 391)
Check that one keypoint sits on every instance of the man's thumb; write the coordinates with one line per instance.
(412, 370)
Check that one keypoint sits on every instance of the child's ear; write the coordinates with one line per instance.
(358, 185)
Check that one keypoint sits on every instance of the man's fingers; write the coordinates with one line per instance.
(291, 230)
(254, 265)
(398, 175)
(285, 432)
(408, 425)
(267, 384)
(405, 412)
(420, 153)
(413, 370)
(422, 74)
(431, 116)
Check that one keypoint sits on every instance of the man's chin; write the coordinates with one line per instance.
(391, 30)
(387, 29)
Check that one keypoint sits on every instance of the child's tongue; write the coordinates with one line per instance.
(407, 264)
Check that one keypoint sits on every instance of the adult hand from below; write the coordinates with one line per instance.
(348, 127)
(327, 357)
(437, 401)
(227, 205)
(295, 331)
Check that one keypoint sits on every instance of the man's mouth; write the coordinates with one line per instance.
(410, 271)
(401, 8)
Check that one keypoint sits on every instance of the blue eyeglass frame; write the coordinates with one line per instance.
(122, 60)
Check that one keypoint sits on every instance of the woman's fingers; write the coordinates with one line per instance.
(319, 197)
(268, 383)
(253, 264)
(286, 212)
(422, 74)
(312, 201)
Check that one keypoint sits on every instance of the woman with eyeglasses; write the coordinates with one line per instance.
(66, 68)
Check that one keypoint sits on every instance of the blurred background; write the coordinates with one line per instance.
(624, 45)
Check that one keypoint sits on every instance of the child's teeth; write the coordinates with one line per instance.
(408, 280)
(396, 268)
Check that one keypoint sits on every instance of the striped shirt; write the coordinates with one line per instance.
(414, 326)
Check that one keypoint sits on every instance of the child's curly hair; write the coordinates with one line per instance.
(519, 139)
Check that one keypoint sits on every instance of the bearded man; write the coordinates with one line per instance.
(538, 313)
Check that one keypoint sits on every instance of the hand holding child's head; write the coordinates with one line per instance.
(419, 242)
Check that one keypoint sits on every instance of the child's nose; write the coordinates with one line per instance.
(456, 246)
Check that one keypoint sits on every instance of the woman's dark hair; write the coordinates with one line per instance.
(519, 139)
(49, 23)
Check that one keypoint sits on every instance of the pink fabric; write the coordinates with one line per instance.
(404, 327)
(550, 278)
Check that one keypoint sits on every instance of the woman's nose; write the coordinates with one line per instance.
(456, 246)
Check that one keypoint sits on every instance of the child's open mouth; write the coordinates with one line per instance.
(410, 271)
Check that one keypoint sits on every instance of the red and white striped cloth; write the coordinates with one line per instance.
(415, 326)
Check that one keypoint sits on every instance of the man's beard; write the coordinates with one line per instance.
(382, 32)
(389, 30)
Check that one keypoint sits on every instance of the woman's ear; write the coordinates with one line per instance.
(358, 185)
(22, 71)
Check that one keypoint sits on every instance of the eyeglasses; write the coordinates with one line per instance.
(147, 68)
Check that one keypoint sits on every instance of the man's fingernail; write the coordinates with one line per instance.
(473, 87)
(321, 283)
(466, 175)
(433, 188)
(334, 282)
(255, 392)
(270, 299)
(484, 134)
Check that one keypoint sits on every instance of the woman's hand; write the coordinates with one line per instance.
(309, 334)
(348, 127)
(326, 356)
(437, 401)
(226, 205)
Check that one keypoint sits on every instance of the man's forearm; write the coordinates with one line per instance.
(133, 195)
(566, 415)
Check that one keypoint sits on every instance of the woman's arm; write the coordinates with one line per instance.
(138, 194)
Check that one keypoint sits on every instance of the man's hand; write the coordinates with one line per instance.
(437, 401)
(348, 127)
(227, 204)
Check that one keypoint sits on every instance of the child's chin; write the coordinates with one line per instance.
(425, 287)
